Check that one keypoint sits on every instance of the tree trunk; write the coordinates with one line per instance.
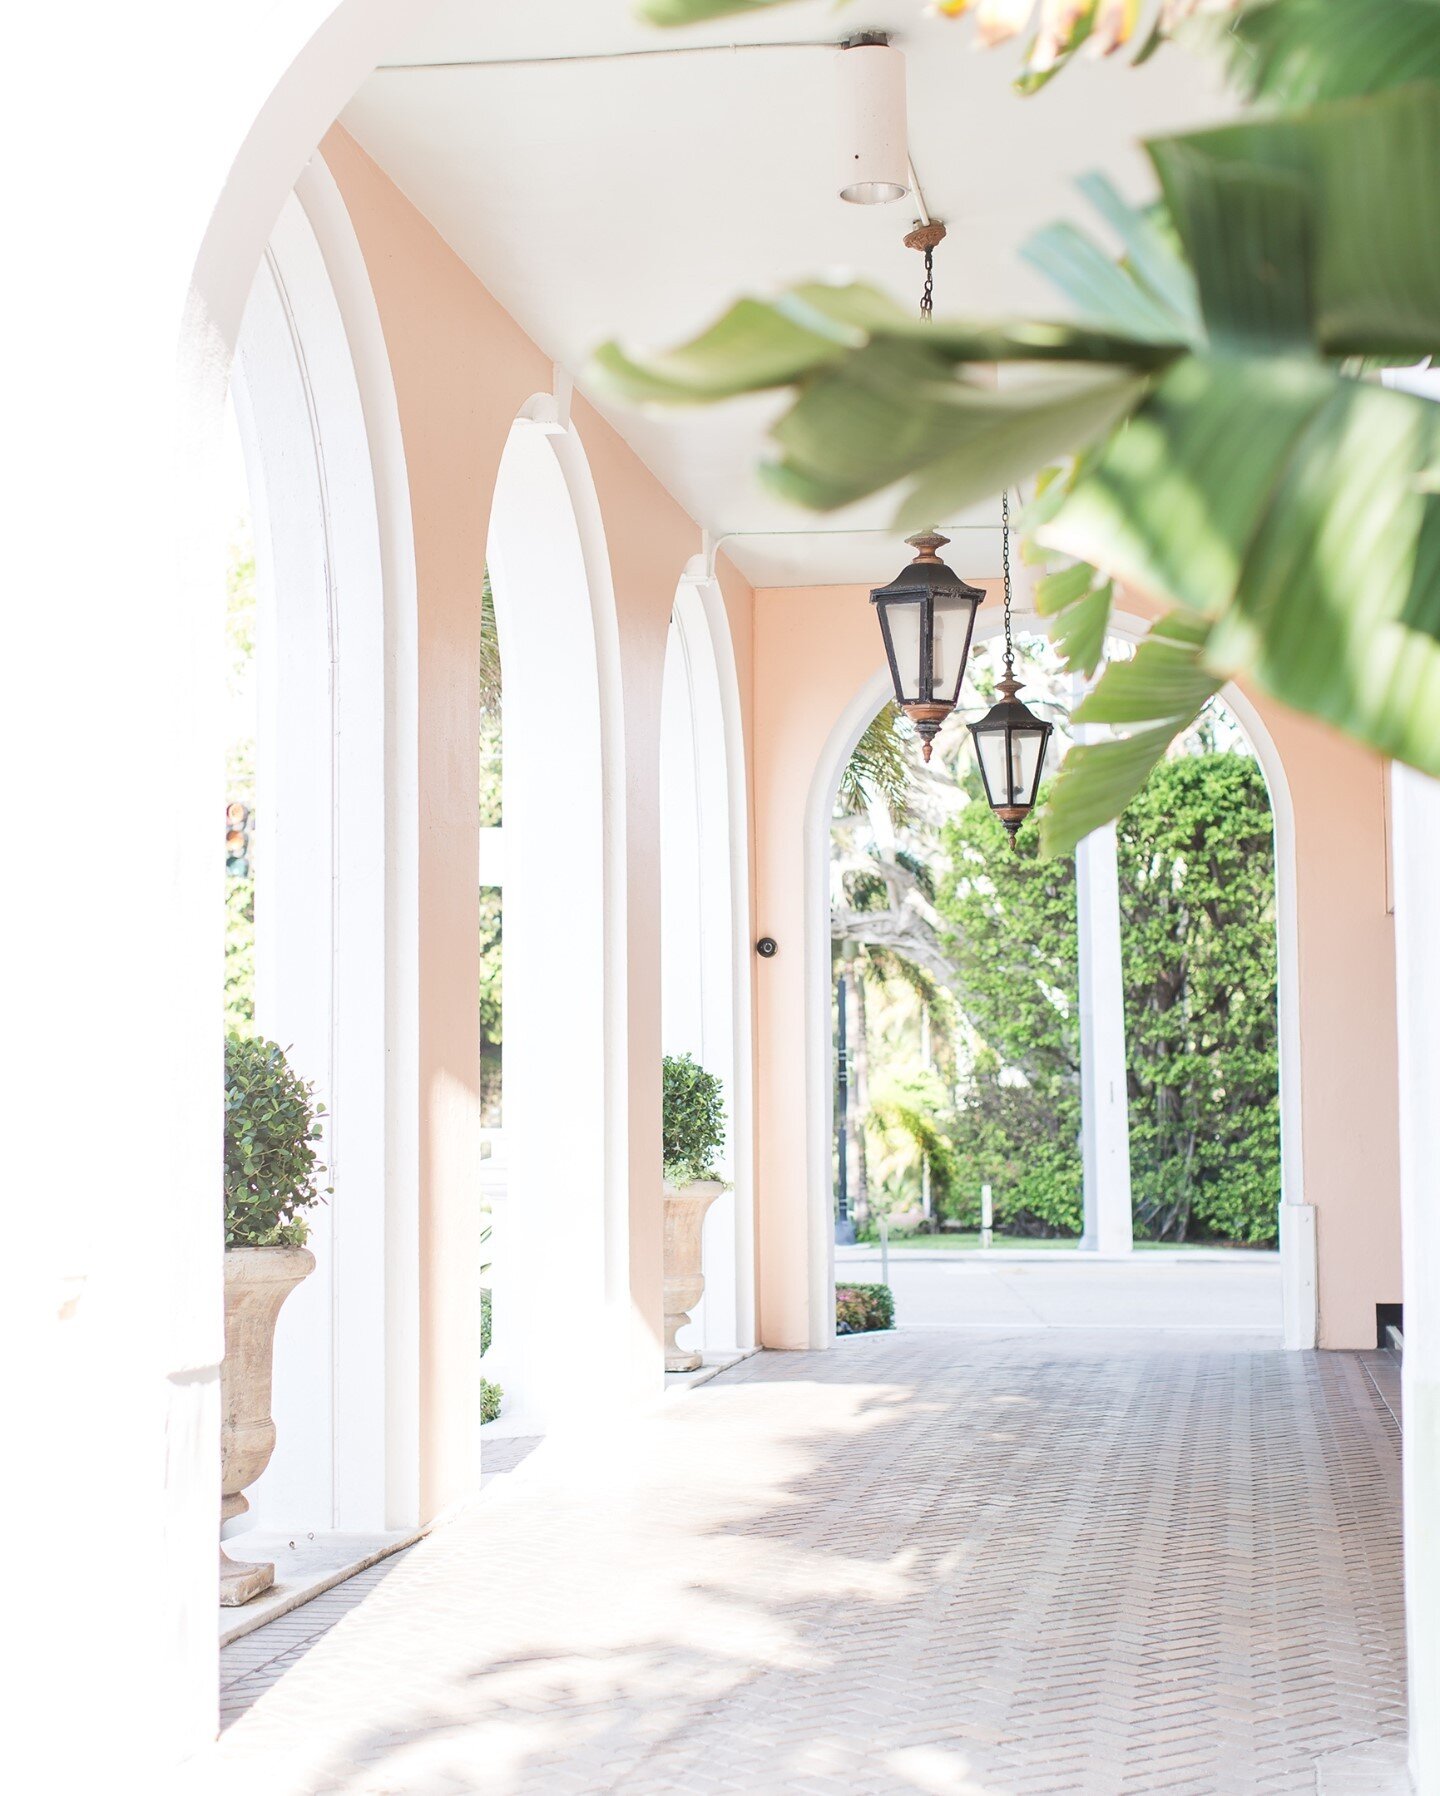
(859, 1097)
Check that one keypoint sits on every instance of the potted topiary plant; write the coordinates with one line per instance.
(271, 1177)
(693, 1132)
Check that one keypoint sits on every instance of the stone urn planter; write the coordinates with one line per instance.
(257, 1282)
(685, 1207)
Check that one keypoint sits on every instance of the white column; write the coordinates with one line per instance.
(329, 827)
(1416, 849)
(697, 932)
(1104, 1103)
(1104, 1097)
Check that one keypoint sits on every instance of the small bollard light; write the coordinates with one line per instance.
(987, 1217)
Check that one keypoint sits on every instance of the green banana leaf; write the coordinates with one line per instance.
(1078, 604)
(1096, 783)
(1287, 504)
(1165, 678)
(1102, 290)
(1305, 229)
(895, 412)
(1224, 463)
(1165, 686)
(759, 345)
(1153, 257)
(1298, 52)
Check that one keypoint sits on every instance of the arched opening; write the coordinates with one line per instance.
(332, 799)
(704, 997)
(559, 1225)
(1086, 1060)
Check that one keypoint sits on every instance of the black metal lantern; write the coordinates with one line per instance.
(927, 616)
(1010, 740)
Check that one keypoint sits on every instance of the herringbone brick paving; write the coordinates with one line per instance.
(1065, 1564)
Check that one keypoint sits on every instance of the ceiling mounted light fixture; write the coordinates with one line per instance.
(874, 144)
(1010, 740)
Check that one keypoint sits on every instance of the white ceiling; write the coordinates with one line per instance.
(636, 197)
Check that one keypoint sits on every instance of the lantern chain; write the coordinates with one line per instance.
(925, 236)
(1005, 569)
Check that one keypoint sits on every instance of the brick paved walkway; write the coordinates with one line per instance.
(1069, 1564)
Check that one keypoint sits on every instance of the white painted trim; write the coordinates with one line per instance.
(562, 1240)
(743, 1121)
(819, 1026)
(337, 858)
(700, 654)
(569, 452)
(1299, 1246)
(350, 280)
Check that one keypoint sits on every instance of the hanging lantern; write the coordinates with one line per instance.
(1010, 740)
(927, 616)
(927, 612)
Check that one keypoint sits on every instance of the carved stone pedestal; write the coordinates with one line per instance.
(684, 1280)
(257, 1282)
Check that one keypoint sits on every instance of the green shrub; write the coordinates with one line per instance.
(491, 1396)
(484, 1320)
(859, 1309)
(271, 1126)
(692, 1121)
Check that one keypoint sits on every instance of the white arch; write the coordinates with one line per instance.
(326, 472)
(1298, 1262)
(561, 1255)
(1297, 1218)
(705, 960)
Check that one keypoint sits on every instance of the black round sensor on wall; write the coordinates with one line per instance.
(766, 947)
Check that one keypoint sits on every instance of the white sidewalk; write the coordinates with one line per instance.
(964, 1564)
(1060, 1288)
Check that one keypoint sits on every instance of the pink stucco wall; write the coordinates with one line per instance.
(1346, 1005)
(463, 369)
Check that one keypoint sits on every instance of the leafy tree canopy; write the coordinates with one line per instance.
(1196, 866)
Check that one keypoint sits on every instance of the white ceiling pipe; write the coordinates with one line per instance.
(875, 164)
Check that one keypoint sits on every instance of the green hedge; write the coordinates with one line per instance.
(859, 1309)
(1197, 903)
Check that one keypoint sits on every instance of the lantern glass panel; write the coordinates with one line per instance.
(901, 621)
(990, 747)
(953, 618)
(1027, 746)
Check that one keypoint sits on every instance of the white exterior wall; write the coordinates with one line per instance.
(1416, 844)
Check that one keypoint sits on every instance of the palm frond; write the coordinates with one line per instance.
(878, 770)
